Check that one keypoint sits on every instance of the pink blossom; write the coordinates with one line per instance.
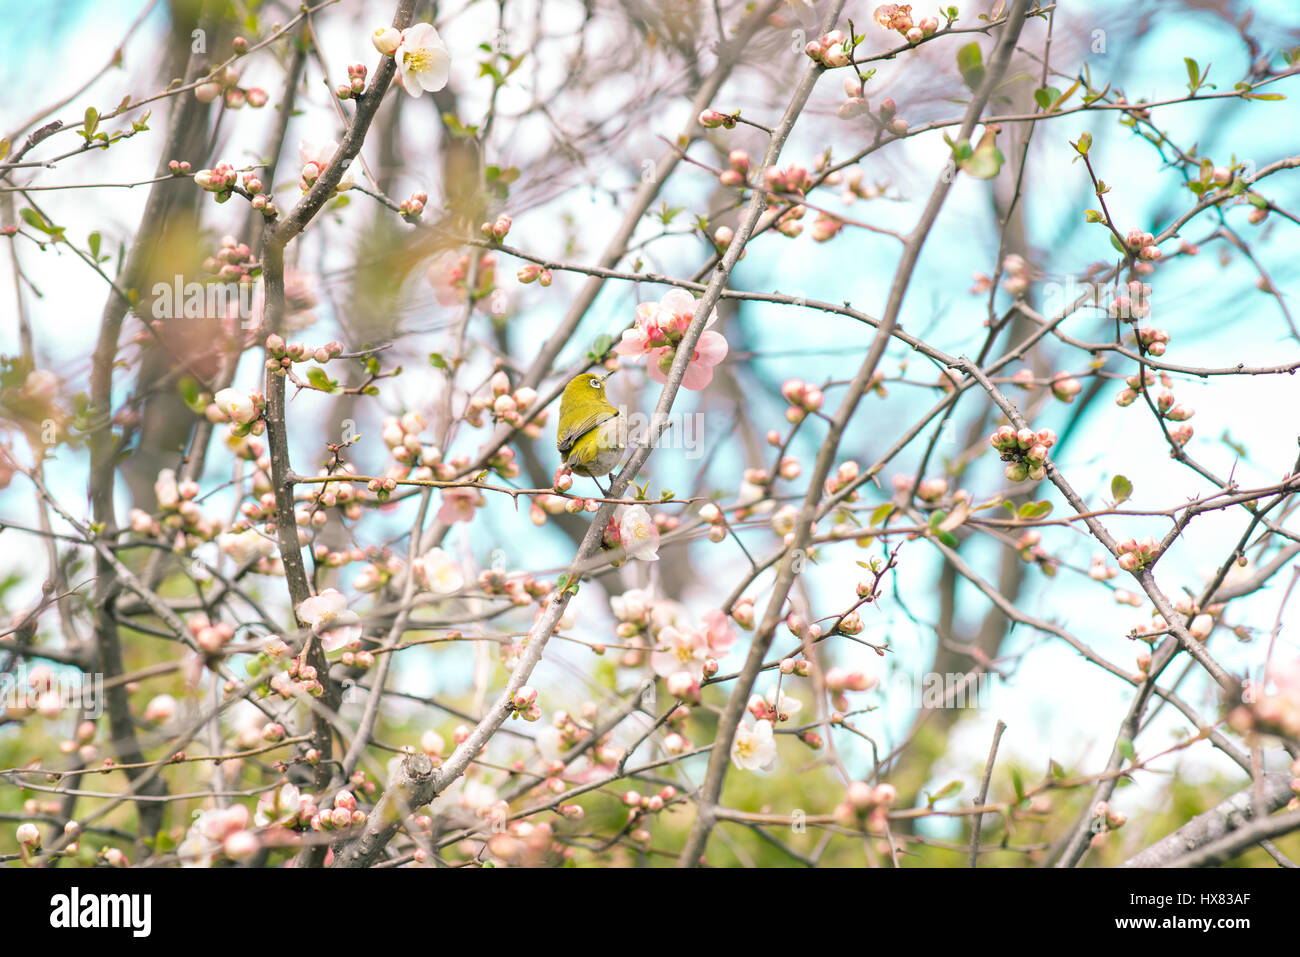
(660, 327)
(458, 505)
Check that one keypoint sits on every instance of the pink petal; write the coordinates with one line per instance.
(697, 377)
(711, 349)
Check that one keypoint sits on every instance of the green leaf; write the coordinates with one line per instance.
(951, 789)
(949, 539)
(1120, 489)
(188, 387)
(1117, 244)
(1084, 144)
(1193, 74)
(1092, 216)
(93, 242)
(92, 122)
(881, 513)
(601, 346)
(1126, 749)
(1045, 96)
(970, 62)
(319, 380)
(1018, 783)
(437, 361)
(1035, 509)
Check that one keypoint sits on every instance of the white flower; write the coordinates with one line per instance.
(633, 605)
(423, 62)
(245, 546)
(437, 572)
(784, 520)
(277, 807)
(329, 617)
(754, 748)
(638, 533)
(319, 155)
(236, 405)
(165, 489)
(680, 650)
(789, 706)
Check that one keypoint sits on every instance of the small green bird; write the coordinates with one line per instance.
(590, 432)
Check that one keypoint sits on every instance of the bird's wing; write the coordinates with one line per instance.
(568, 436)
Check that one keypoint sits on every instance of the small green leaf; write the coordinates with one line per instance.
(437, 361)
(1035, 509)
(1084, 144)
(1092, 216)
(1193, 74)
(881, 513)
(93, 242)
(970, 62)
(1126, 749)
(1018, 783)
(949, 539)
(1120, 489)
(950, 789)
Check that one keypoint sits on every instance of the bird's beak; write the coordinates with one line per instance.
(606, 376)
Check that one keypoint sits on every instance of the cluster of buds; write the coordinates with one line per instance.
(1065, 387)
(179, 514)
(833, 50)
(521, 588)
(855, 187)
(737, 171)
(1100, 570)
(344, 814)
(1024, 450)
(226, 84)
(221, 179)
(178, 168)
(787, 222)
(1133, 386)
(233, 262)
(888, 117)
(508, 406)
(866, 807)
(640, 804)
(298, 678)
(411, 209)
(498, 229)
(210, 636)
(825, 227)
(712, 516)
(1016, 268)
(712, 119)
(1104, 819)
(854, 105)
(244, 410)
(1153, 341)
(803, 398)
(794, 179)
(1143, 245)
(845, 475)
(356, 84)
(379, 571)
(1272, 712)
(282, 355)
(1132, 304)
(1172, 410)
(534, 273)
(841, 680)
(341, 495)
(1137, 553)
(525, 704)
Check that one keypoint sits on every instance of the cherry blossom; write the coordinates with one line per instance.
(754, 747)
(330, 618)
(659, 328)
(423, 63)
(438, 572)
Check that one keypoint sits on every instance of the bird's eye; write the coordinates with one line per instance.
(595, 383)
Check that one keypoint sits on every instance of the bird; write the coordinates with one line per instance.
(589, 437)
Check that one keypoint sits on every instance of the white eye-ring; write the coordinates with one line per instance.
(595, 383)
